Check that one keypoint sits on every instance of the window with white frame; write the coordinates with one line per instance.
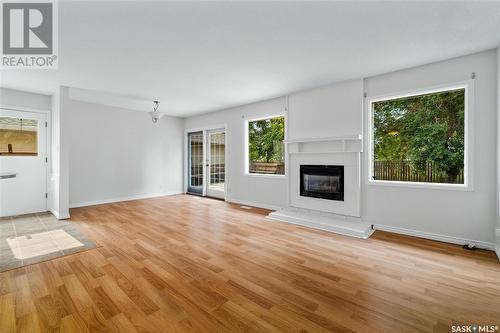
(420, 138)
(265, 146)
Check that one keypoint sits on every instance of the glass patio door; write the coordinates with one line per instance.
(195, 163)
(207, 163)
(216, 163)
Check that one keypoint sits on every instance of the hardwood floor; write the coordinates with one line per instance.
(183, 263)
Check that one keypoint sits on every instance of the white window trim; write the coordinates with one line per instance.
(469, 104)
(247, 152)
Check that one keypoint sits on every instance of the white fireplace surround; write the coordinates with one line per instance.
(332, 215)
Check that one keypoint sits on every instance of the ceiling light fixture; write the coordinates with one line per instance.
(155, 114)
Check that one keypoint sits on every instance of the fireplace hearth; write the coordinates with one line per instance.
(322, 181)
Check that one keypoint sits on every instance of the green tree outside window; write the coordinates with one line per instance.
(420, 138)
(265, 145)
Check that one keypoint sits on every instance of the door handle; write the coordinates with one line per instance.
(8, 175)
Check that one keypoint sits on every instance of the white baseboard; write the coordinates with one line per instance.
(436, 237)
(120, 199)
(345, 227)
(253, 204)
(59, 216)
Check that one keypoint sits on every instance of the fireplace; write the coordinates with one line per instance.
(322, 181)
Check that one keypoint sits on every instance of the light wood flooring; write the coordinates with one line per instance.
(189, 264)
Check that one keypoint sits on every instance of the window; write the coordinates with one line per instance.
(266, 146)
(18, 137)
(195, 162)
(217, 157)
(420, 138)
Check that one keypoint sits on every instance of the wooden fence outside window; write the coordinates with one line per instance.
(403, 171)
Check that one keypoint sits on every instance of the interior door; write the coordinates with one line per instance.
(195, 163)
(23, 164)
(216, 163)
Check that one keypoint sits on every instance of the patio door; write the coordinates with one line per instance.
(216, 163)
(207, 163)
(23, 162)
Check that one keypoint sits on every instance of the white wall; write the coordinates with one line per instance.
(117, 154)
(334, 110)
(24, 100)
(262, 191)
(338, 109)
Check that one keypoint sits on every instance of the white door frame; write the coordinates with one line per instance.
(204, 129)
(48, 142)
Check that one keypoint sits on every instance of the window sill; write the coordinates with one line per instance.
(264, 175)
(425, 186)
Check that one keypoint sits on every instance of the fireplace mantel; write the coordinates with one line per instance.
(354, 137)
(329, 145)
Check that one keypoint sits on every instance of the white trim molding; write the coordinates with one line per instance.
(122, 199)
(253, 204)
(19, 108)
(436, 237)
(59, 216)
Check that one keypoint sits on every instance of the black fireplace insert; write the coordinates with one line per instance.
(322, 181)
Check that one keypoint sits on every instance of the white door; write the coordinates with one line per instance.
(23, 162)
(216, 163)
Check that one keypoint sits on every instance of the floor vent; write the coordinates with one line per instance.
(245, 207)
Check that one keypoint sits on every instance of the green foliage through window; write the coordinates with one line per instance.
(420, 138)
(265, 145)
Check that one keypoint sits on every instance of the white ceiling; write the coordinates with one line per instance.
(202, 56)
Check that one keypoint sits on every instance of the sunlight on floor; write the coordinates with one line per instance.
(29, 246)
(29, 239)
